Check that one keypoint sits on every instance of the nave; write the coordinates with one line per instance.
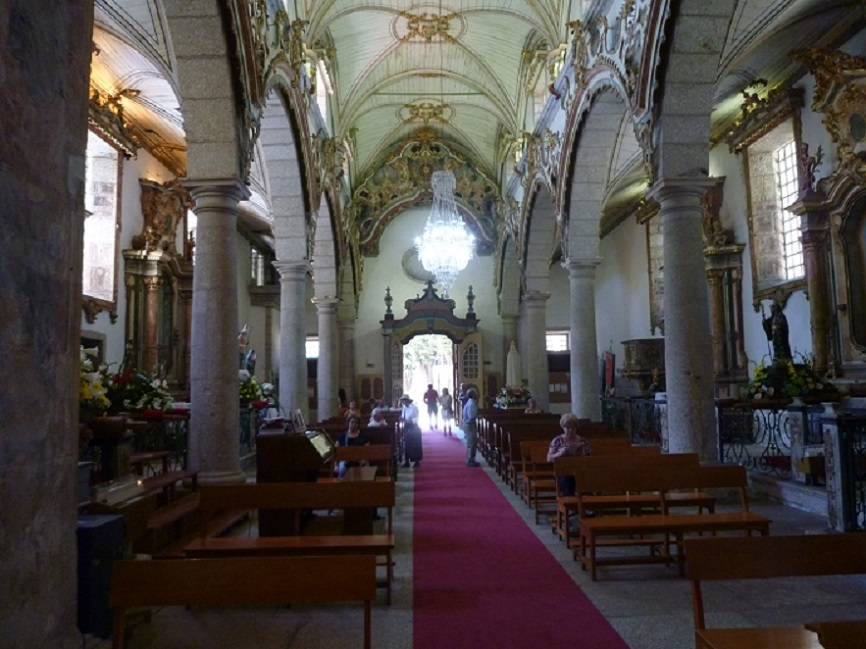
(474, 570)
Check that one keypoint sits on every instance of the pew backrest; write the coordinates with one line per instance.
(764, 557)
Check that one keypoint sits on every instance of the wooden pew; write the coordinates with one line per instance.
(360, 496)
(657, 530)
(241, 582)
(378, 455)
(618, 456)
(724, 558)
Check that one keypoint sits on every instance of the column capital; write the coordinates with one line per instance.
(536, 297)
(292, 269)
(671, 189)
(326, 303)
(579, 267)
(216, 189)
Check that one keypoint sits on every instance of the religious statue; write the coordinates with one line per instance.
(776, 328)
(513, 367)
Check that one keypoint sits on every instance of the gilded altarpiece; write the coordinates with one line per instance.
(158, 273)
(834, 215)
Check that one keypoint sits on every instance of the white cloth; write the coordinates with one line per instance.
(409, 412)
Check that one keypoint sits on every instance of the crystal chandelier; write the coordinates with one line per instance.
(446, 246)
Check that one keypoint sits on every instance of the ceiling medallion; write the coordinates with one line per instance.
(426, 112)
(427, 26)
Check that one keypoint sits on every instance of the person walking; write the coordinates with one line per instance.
(446, 403)
(431, 398)
(412, 450)
(470, 426)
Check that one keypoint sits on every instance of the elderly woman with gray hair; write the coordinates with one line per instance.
(569, 443)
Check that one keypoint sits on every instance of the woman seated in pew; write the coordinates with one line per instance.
(377, 419)
(532, 407)
(569, 443)
(353, 436)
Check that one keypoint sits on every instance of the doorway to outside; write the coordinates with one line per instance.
(427, 359)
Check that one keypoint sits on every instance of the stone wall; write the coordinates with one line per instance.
(45, 55)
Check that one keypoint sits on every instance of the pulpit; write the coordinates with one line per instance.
(289, 457)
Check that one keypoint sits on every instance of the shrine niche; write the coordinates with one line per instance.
(158, 272)
(426, 314)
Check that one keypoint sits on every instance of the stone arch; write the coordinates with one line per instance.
(206, 89)
(539, 241)
(681, 138)
(284, 173)
(592, 165)
(324, 253)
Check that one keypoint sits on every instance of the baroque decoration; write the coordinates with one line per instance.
(402, 180)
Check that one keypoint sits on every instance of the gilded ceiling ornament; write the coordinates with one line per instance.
(425, 112)
(105, 115)
(163, 206)
(427, 26)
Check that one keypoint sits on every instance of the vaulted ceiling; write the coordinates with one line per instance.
(459, 72)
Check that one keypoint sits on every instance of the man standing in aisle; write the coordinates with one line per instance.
(431, 398)
(470, 426)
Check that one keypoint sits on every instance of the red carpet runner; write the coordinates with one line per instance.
(481, 577)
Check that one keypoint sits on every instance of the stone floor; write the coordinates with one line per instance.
(648, 605)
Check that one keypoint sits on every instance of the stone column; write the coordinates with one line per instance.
(214, 445)
(45, 67)
(535, 347)
(815, 236)
(347, 371)
(293, 335)
(585, 402)
(688, 365)
(328, 401)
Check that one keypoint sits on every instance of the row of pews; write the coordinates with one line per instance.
(636, 505)
(298, 555)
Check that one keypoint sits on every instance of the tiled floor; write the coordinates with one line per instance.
(648, 605)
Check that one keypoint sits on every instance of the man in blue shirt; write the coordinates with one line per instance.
(470, 426)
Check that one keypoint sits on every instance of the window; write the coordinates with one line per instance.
(312, 347)
(257, 267)
(471, 362)
(101, 227)
(769, 137)
(557, 341)
(786, 193)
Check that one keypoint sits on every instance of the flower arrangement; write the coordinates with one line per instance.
(134, 391)
(783, 379)
(249, 387)
(512, 395)
(93, 398)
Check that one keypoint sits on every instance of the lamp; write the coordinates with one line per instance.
(446, 246)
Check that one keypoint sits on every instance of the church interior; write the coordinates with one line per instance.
(648, 213)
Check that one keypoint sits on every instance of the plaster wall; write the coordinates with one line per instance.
(386, 270)
(622, 289)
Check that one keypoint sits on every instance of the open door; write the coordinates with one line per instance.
(469, 367)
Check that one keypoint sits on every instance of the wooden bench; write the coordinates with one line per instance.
(140, 463)
(659, 531)
(241, 582)
(726, 558)
(166, 483)
(379, 455)
(297, 496)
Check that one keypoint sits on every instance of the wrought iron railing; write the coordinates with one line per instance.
(640, 416)
(762, 436)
